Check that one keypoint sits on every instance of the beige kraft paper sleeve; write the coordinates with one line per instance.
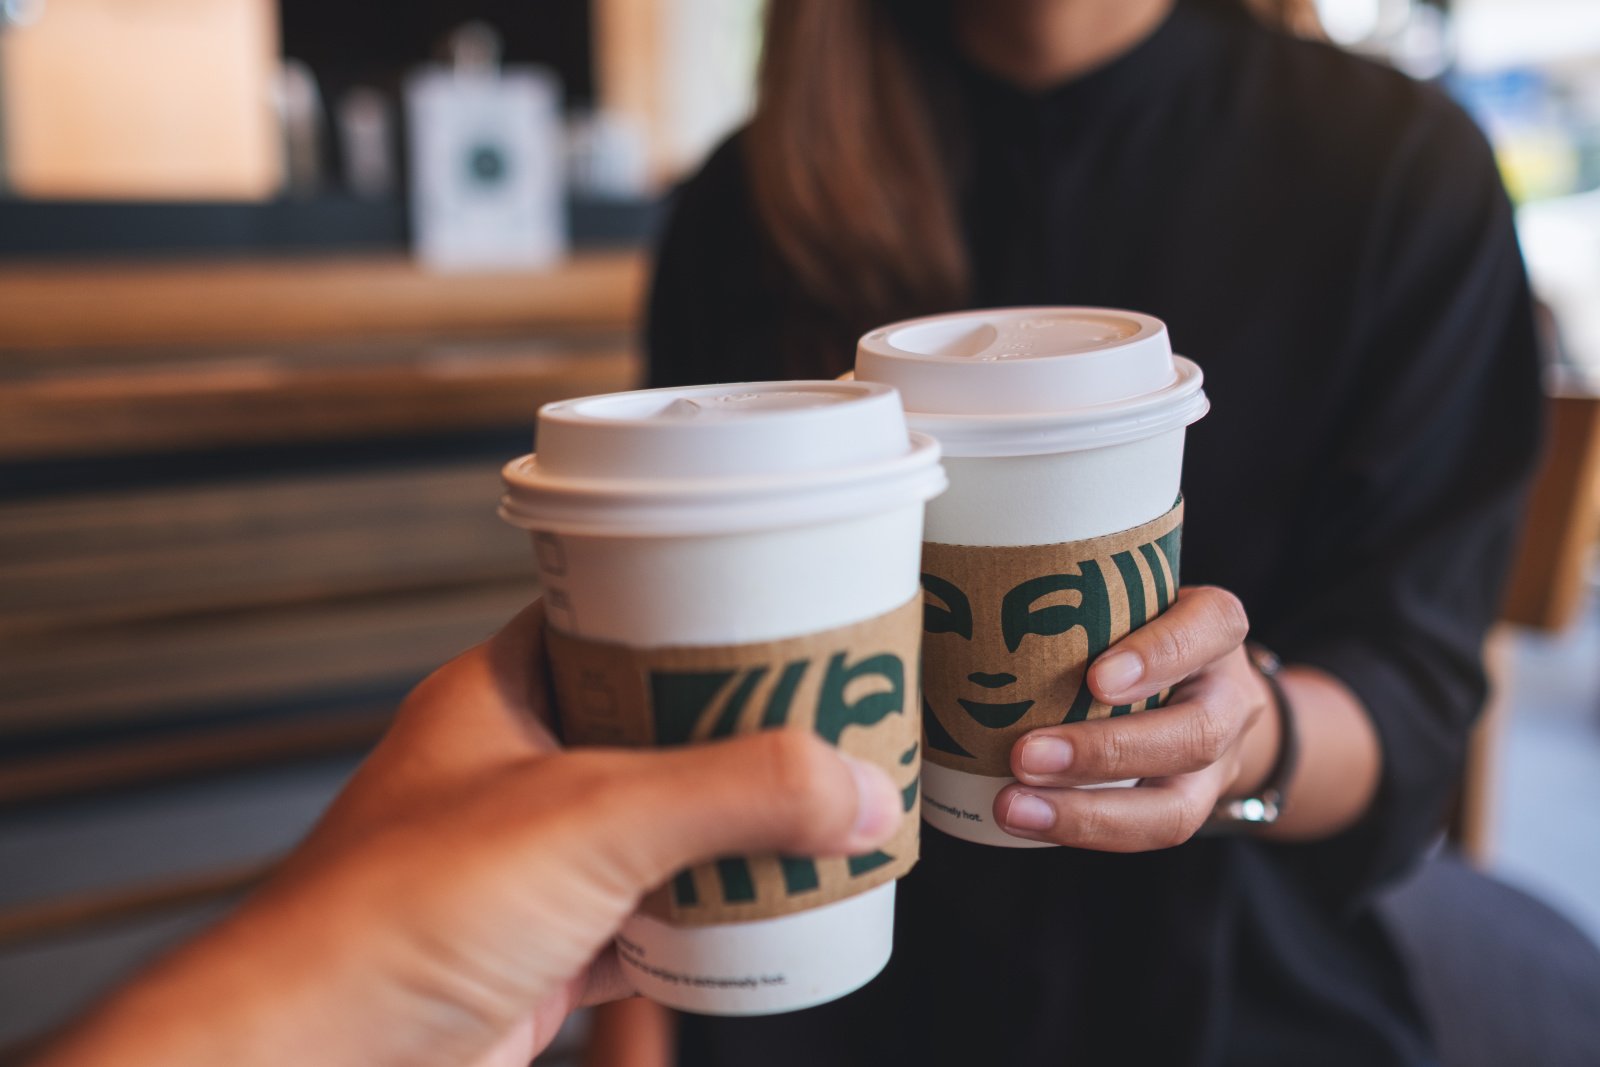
(855, 686)
(1008, 634)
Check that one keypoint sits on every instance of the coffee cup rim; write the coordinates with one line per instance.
(1180, 404)
(706, 506)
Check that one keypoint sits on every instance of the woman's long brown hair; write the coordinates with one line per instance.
(845, 167)
(848, 175)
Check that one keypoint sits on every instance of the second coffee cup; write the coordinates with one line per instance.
(1062, 431)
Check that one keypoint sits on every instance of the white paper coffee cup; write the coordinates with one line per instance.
(1058, 425)
(732, 516)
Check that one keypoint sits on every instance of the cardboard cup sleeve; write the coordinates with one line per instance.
(1009, 633)
(855, 686)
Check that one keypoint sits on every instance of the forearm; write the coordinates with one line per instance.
(277, 983)
(207, 1003)
(1336, 775)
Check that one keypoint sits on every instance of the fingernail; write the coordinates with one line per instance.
(1028, 812)
(1046, 755)
(1118, 671)
(877, 802)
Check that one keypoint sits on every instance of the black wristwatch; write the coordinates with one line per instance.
(1266, 806)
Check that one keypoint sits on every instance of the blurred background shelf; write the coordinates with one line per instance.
(325, 222)
(233, 492)
(83, 404)
(129, 305)
(158, 670)
(203, 549)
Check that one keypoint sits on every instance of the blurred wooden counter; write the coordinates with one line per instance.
(244, 506)
(157, 357)
(81, 404)
(151, 303)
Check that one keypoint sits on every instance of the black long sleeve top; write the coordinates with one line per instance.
(1330, 241)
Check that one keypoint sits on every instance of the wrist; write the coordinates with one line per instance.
(1264, 805)
(1337, 758)
(1259, 747)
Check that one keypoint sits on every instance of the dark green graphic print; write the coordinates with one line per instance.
(683, 701)
(855, 687)
(1008, 634)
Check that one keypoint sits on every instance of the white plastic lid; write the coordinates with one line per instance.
(1029, 381)
(720, 459)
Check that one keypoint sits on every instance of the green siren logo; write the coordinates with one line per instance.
(1008, 634)
(704, 705)
(855, 687)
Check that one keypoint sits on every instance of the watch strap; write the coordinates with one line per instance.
(1266, 805)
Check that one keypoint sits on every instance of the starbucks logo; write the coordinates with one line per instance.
(1008, 634)
(854, 686)
(704, 705)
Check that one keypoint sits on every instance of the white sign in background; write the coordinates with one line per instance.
(486, 168)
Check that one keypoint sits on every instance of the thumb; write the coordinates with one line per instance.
(774, 791)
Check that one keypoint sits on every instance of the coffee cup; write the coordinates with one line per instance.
(722, 559)
(1062, 431)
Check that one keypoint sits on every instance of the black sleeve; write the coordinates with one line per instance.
(711, 316)
(1405, 549)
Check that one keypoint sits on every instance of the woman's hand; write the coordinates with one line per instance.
(1215, 738)
(459, 898)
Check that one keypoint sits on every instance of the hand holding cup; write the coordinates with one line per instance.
(458, 900)
(1188, 754)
